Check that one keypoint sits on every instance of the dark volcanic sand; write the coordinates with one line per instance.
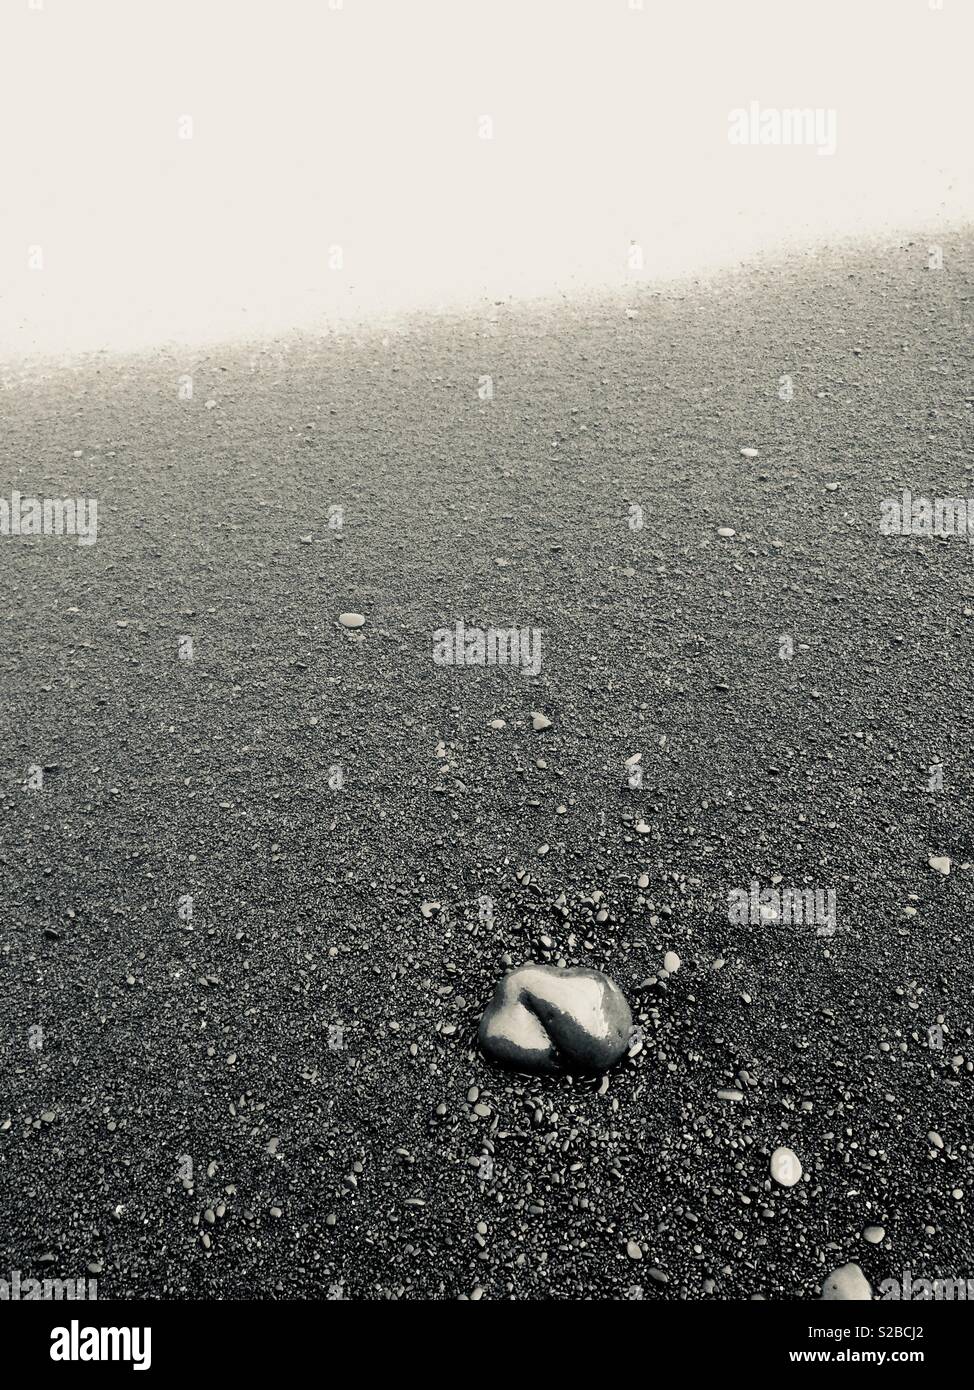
(359, 1167)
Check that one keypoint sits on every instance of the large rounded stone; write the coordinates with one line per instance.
(542, 1018)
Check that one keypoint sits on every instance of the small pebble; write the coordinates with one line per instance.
(786, 1168)
(847, 1284)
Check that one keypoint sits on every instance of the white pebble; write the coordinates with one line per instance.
(786, 1168)
(847, 1284)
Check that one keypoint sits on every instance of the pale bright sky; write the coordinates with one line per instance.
(318, 124)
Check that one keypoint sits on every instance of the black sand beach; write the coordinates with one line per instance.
(281, 1096)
